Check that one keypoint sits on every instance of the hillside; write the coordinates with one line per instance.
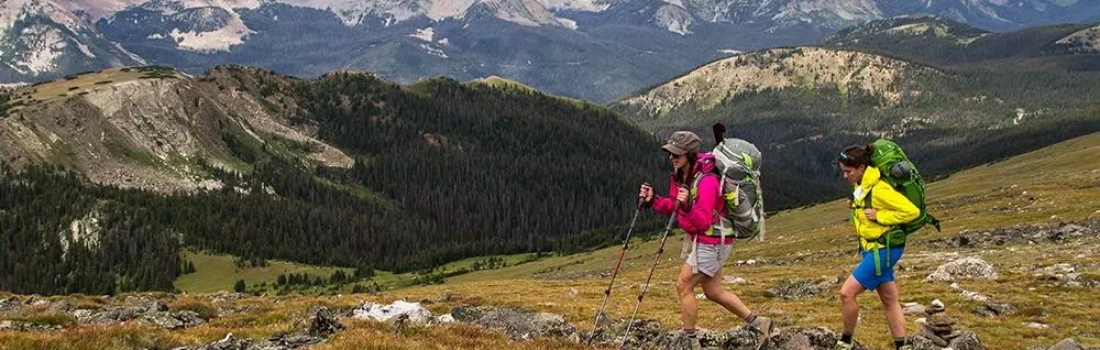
(348, 170)
(955, 93)
(1084, 41)
(850, 73)
(942, 42)
(143, 128)
(1022, 215)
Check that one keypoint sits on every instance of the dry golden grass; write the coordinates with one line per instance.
(378, 336)
(1057, 181)
(75, 85)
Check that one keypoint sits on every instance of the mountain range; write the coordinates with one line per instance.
(597, 50)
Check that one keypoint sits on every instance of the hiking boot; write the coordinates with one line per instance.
(693, 343)
(689, 342)
(762, 325)
(842, 346)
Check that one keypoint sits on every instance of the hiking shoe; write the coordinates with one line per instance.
(763, 325)
(842, 346)
(689, 342)
(693, 343)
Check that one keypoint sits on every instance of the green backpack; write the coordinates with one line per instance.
(901, 174)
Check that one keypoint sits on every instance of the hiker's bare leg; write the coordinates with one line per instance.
(712, 288)
(849, 307)
(888, 293)
(685, 288)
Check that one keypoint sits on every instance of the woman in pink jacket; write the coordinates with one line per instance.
(695, 198)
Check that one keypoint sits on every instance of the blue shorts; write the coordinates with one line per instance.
(865, 272)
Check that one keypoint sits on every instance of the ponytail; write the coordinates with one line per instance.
(857, 155)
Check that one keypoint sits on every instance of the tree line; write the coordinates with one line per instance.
(443, 171)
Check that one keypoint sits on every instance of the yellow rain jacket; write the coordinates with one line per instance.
(893, 209)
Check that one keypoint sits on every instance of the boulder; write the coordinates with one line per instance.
(384, 313)
(973, 268)
(172, 320)
(800, 289)
(1066, 344)
(519, 324)
(913, 309)
(323, 323)
(993, 309)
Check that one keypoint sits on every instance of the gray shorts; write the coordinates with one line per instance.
(705, 258)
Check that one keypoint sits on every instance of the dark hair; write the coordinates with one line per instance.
(856, 155)
(685, 176)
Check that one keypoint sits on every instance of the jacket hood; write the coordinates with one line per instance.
(871, 176)
(705, 163)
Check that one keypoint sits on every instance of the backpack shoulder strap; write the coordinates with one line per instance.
(867, 198)
(695, 184)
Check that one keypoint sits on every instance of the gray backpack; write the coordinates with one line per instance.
(738, 164)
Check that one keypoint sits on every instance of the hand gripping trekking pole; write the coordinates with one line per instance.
(656, 259)
(615, 272)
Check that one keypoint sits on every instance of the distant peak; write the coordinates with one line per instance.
(781, 68)
(916, 25)
(524, 12)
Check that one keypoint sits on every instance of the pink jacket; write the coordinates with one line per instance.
(707, 202)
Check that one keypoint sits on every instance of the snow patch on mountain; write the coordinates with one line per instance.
(568, 23)
(425, 34)
(433, 50)
(132, 56)
(215, 24)
(49, 44)
(578, 5)
(218, 40)
(84, 49)
(12, 11)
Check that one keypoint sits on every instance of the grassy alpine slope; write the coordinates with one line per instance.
(811, 243)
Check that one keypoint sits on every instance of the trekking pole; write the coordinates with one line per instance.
(656, 259)
(615, 272)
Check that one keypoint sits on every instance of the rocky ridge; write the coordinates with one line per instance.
(153, 128)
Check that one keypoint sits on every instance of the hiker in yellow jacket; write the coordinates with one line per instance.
(876, 210)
